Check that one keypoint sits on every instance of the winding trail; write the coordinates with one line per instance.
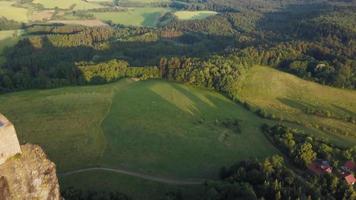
(139, 175)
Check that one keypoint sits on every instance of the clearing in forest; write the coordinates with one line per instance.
(191, 15)
(147, 16)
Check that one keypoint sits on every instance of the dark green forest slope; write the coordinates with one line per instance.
(313, 41)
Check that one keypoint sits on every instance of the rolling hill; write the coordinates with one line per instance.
(329, 111)
(153, 127)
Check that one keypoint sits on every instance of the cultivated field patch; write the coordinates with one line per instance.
(88, 22)
(68, 4)
(147, 16)
(42, 15)
(144, 1)
(192, 15)
(8, 10)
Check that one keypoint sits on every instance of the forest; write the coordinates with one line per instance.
(311, 42)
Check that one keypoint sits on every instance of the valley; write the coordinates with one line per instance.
(181, 99)
(115, 132)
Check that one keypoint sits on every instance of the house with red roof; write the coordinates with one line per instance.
(320, 167)
(347, 171)
(350, 179)
(350, 165)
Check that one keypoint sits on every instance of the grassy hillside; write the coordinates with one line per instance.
(14, 13)
(136, 188)
(191, 15)
(144, 1)
(113, 125)
(179, 129)
(152, 127)
(147, 16)
(66, 4)
(134, 16)
(288, 97)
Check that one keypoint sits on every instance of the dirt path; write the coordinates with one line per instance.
(135, 174)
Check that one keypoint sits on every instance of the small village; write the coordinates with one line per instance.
(346, 172)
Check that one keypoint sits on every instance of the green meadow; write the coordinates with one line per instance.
(66, 4)
(146, 16)
(120, 125)
(136, 188)
(192, 15)
(302, 102)
(8, 10)
(5, 35)
(152, 127)
(144, 1)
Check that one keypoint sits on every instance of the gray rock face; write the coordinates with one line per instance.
(29, 176)
(9, 144)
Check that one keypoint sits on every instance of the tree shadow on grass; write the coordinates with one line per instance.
(153, 137)
(302, 106)
(150, 19)
(344, 110)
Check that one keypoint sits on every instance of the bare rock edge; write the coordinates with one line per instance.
(30, 175)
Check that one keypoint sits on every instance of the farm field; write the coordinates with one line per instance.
(144, 1)
(88, 22)
(147, 16)
(112, 125)
(14, 13)
(66, 4)
(8, 34)
(99, 1)
(291, 98)
(192, 15)
(133, 16)
(42, 15)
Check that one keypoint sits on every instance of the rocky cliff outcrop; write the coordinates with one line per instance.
(29, 176)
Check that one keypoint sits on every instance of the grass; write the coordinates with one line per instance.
(66, 4)
(147, 16)
(178, 129)
(193, 15)
(288, 97)
(42, 15)
(135, 188)
(85, 22)
(144, 1)
(14, 13)
(101, 1)
(5, 35)
(152, 127)
(111, 125)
